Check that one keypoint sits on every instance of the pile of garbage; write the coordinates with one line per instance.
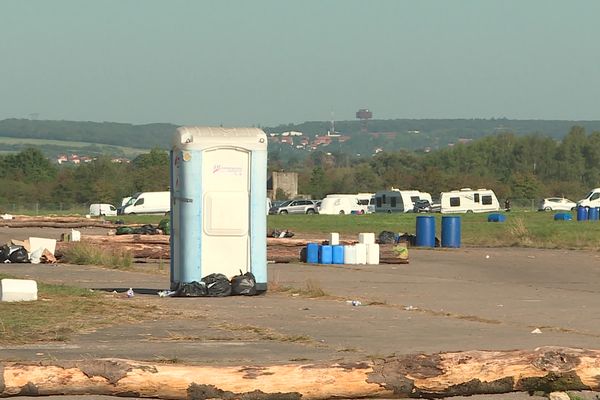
(278, 233)
(148, 229)
(216, 285)
(32, 250)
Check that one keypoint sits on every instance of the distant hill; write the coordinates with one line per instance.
(119, 139)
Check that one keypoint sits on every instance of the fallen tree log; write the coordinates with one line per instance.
(545, 369)
(130, 238)
(55, 224)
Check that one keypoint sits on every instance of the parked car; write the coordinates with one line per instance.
(295, 207)
(422, 206)
(556, 204)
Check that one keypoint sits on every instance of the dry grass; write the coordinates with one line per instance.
(88, 254)
(311, 289)
(61, 311)
(256, 332)
(518, 232)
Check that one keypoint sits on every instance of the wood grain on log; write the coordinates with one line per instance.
(430, 376)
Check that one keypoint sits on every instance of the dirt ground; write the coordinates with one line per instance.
(443, 300)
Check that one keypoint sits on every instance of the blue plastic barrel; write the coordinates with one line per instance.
(325, 254)
(451, 231)
(582, 213)
(563, 217)
(425, 231)
(337, 254)
(496, 218)
(593, 214)
(312, 253)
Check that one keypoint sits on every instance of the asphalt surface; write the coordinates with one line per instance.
(443, 300)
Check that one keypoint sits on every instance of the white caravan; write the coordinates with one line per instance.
(592, 199)
(396, 200)
(467, 200)
(334, 204)
(148, 203)
(99, 209)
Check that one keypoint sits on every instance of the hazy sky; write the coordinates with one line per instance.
(270, 62)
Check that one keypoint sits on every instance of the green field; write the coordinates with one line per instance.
(521, 229)
(126, 151)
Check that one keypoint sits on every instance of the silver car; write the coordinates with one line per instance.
(295, 207)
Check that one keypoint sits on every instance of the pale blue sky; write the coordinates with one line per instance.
(269, 62)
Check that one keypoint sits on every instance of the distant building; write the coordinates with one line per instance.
(282, 181)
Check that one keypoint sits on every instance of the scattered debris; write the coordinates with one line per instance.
(354, 303)
(410, 308)
(277, 233)
(536, 331)
(130, 293)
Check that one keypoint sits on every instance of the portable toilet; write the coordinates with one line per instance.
(218, 200)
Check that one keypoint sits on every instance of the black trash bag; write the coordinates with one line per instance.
(243, 284)
(276, 233)
(217, 285)
(409, 238)
(191, 289)
(124, 230)
(18, 254)
(4, 253)
(146, 230)
(387, 237)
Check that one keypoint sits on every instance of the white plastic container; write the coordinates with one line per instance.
(18, 290)
(372, 254)
(334, 239)
(75, 235)
(349, 254)
(366, 238)
(361, 253)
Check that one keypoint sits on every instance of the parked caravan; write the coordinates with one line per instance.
(148, 203)
(334, 204)
(396, 200)
(98, 209)
(592, 199)
(467, 200)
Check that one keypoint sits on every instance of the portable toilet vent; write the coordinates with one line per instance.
(218, 195)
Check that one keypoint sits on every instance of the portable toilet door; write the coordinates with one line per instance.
(218, 185)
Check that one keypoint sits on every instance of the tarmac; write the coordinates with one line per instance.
(443, 300)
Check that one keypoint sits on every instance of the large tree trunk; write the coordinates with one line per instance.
(445, 374)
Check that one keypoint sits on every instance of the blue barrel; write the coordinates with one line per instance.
(593, 214)
(325, 254)
(563, 217)
(451, 231)
(312, 253)
(425, 231)
(582, 213)
(337, 254)
(496, 218)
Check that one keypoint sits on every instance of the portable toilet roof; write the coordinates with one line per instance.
(203, 137)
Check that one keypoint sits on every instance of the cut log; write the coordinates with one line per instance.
(430, 376)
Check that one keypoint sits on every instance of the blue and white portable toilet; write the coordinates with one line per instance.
(218, 194)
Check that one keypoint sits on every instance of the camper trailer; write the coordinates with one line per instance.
(345, 203)
(467, 200)
(148, 203)
(396, 200)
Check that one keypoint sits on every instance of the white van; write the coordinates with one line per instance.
(334, 204)
(467, 200)
(148, 203)
(99, 209)
(592, 199)
(396, 200)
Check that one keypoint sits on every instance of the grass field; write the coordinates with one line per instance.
(127, 151)
(521, 229)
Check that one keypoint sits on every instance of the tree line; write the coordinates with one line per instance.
(531, 167)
